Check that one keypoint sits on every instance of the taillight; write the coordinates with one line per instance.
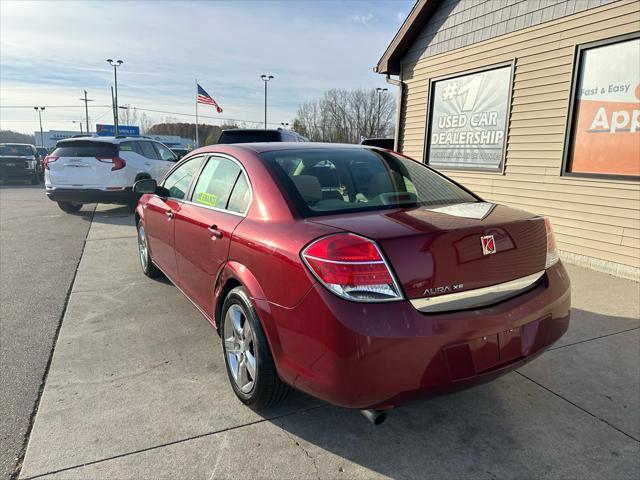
(49, 159)
(552, 253)
(352, 267)
(117, 162)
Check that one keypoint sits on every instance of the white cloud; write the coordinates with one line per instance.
(363, 19)
(400, 16)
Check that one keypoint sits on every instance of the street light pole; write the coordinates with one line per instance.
(265, 79)
(379, 90)
(40, 110)
(115, 66)
(80, 122)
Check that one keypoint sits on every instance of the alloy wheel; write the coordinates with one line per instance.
(142, 248)
(239, 341)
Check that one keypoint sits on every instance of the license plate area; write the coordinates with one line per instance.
(484, 354)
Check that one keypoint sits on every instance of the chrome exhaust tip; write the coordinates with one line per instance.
(374, 416)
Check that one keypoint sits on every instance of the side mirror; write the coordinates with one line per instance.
(145, 185)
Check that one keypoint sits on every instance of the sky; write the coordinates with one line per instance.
(51, 51)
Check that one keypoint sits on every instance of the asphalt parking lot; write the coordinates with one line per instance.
(137, 389)
(40, 248)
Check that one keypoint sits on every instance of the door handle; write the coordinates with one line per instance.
(215, 233)
(169, 215)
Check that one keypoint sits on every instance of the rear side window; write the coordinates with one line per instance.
(215, 183)
(179, 180)
(332, 181)
(249, 136)
(131, 147)
(240, 197)
(86, 148)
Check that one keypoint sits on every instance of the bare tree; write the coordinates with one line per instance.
(346, 116)
(9, 136)
(128, 115)
(146, 122)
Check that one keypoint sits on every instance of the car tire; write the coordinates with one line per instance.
(132, 205)
(246, 349)
(148, 267)
(70, 207)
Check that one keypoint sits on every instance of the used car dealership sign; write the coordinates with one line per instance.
(467, 125)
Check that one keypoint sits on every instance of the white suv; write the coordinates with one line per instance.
(102, 169)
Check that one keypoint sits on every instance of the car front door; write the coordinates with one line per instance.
(166, 158)
(152, 160)
(161, 212)
(204, 227)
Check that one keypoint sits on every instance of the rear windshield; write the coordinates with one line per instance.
(17, 150)
(346, 180)
(86, 148)
(251, 136)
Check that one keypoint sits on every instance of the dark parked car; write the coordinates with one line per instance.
(180, 152)
(357, 275)
(243, 135)
(386, 143)
(42, 154)
(20, 161)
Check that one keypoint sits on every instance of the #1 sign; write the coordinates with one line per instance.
(468, 122)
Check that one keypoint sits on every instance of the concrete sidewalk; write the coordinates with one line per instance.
(137, 389)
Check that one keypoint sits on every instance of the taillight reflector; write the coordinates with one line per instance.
(352, 267)
(552, 253)
(118, 163)
(49, 159)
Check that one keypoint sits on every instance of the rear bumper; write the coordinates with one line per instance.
(384, 355)
(89, 195)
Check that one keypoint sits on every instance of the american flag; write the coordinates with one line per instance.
(204, 97)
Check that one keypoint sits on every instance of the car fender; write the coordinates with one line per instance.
(238, 271)
(139, 215)
(234, 270)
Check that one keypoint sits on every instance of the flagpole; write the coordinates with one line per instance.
(197, 137)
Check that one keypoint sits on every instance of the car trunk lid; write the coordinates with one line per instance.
(78, 163)
(436, 251)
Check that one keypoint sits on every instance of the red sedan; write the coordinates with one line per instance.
(352, 273)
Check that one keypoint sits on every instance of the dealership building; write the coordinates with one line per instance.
(534, 104)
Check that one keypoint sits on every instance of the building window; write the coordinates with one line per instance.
(603, 134)
(468, 118)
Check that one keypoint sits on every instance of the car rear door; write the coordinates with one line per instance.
(83, 164)
(204, 226)
(131, 152)
(160, 215)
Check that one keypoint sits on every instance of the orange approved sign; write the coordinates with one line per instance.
(607, 138)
